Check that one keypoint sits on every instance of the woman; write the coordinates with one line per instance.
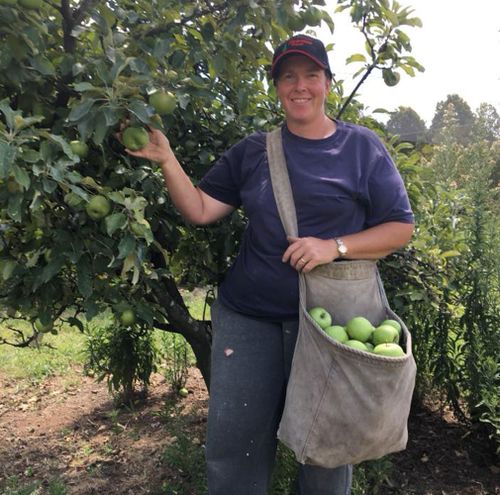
(351, 203)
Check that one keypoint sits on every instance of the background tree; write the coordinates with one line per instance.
(453, 111)
(487, 123)
(407, 124)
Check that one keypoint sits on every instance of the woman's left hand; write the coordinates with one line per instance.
(306, 253)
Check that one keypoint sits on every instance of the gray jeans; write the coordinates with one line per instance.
(251, 362)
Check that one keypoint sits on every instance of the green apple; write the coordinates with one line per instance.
(337, 332)
(391, 350)
(135, 138)
(79, 148)
(390, 77)
(356, 344)
(385, 334)
(127, 318)
(183, 392)
(43, 327)
(359, 328)
(164, 102)
(393, 323)
(98, 207)
(321, 316)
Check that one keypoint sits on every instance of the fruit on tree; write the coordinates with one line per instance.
(98, 207)
(43, 328)
(390, 349)
(164, 102)
(337, 332)
(390, 77)
(135, 138)
(385, 334)
(321, 316)
(127, 318)
(79, 148)
(359, 328)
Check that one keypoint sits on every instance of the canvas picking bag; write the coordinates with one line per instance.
(343, 406)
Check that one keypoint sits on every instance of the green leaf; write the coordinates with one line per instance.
(43, 65)
(8, 268)
(142, 111)
(14, 208)
(21, 177)
(86, 86)
(8, 112)
(75, 322)
(357, 57)
(114, 222)
(126, 246)
(52, 269)
(79, 111)
(7, 157)
(84, 276)
(450, 253)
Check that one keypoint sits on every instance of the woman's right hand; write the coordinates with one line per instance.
(157, 150)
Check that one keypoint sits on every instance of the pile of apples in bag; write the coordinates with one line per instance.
(359, 333)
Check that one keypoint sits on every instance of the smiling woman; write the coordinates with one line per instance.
(348, 194)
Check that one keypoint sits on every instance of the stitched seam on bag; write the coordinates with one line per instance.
(325, 389)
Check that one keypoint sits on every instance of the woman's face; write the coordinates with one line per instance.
(302, 87)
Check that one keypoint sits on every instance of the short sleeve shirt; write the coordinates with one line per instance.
(341, 185)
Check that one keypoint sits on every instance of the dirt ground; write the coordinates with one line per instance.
(76, 436)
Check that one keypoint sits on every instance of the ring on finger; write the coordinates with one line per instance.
(303, 261)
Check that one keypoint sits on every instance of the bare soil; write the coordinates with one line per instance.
(77, 436)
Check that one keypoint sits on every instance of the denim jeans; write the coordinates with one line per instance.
(251, 362)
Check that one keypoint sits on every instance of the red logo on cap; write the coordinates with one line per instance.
(300, 42)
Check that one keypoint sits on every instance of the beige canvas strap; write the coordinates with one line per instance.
(281, 182)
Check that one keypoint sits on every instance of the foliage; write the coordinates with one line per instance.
(446, 285)
(176, 350)
(386, 44)
(407, 124)
(123, 356)
(54, 255)
(452, 113)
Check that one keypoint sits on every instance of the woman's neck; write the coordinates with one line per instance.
(319, 129)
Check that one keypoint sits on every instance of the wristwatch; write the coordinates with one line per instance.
(341, 247)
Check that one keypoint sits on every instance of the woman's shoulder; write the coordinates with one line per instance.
(362, 135)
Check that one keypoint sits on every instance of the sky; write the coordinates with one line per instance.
(459, 46)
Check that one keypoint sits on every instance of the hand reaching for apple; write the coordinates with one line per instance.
(157, 150)
(306, 253)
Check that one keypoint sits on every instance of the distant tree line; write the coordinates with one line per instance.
(453, 116)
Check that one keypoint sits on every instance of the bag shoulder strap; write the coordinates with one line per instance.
(280, 180)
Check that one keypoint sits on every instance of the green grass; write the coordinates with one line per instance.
(55, 356)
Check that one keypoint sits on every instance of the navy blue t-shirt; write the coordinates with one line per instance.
(341, 185)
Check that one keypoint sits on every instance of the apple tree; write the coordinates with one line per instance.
(85, 228)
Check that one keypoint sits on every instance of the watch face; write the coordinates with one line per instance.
(341, 247)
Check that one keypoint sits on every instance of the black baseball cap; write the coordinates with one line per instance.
(301, 45)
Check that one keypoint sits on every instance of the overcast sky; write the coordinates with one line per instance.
(459, 46)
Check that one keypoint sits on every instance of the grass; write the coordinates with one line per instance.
(56, 355)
